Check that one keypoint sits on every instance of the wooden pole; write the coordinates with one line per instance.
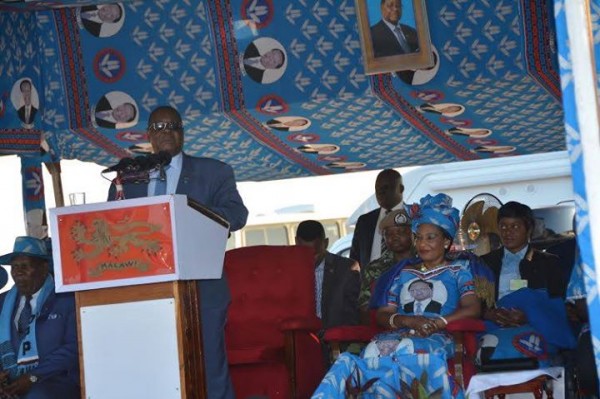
(54, 170)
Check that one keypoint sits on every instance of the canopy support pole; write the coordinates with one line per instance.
(54, 170)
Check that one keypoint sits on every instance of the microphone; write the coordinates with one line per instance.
(141, 163)
(124, 163)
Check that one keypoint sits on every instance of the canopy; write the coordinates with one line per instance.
(496, 71)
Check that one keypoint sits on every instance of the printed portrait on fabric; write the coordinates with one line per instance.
(101, 20)
(394, 35)
(421, 296)
(26, 101)
(321, 149)
(289, 123)
(115, 110)
(264, 60)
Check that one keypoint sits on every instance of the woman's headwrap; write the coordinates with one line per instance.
(437, 210)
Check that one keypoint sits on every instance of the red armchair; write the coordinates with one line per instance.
(270, 334)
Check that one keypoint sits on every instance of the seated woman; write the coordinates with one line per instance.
(529, 293)
(421, 295)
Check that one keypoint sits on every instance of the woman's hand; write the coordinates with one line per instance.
(421, 326)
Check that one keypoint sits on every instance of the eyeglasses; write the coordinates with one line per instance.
(161, 126)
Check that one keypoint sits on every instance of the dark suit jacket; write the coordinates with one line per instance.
(385, 42)
(93, 27)
(432, 307)
(362, 241)
(21, 112)
(255, 73)
(56, 334)
(339, 301)
(104, 105)
(541, 270)
(212, 184)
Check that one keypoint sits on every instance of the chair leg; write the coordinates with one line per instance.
(335, 351)
(290, 354)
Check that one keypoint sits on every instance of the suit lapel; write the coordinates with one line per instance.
(186, 176)
(328, 276)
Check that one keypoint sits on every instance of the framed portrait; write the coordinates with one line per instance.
(394, 35)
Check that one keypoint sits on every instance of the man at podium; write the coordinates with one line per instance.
(211, 183)
(38, 331)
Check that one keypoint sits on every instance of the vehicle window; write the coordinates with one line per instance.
(255, 237)
(275, 235)
(332, 231)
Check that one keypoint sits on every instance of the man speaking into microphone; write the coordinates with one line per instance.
(211, 183)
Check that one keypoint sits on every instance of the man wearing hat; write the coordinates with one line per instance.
(395, 230)
(38, 330)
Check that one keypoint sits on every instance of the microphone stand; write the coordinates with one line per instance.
(118, 182)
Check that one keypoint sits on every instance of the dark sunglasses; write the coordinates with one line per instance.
(160, 126)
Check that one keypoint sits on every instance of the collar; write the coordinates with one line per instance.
(519, 254)
(390, 25)
(175, 165)
(399, 205)
(177, 161)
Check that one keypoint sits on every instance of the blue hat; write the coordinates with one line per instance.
(28, 246)
(437, 210)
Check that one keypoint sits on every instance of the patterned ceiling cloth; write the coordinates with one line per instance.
(317, 113)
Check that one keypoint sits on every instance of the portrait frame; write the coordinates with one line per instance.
(420, 58)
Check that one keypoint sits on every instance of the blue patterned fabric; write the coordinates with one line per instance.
(393, 376)
(574, 147)
(437, 210)
(546, 331)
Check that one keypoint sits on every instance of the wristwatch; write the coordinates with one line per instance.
(33, 378)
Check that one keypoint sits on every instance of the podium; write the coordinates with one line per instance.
(132, 265)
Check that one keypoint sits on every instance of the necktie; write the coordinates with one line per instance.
(418, 308)
(24, 318)
(161, 183)
(383, 246)
(402, 39)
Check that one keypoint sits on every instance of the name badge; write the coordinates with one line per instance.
(517, 284)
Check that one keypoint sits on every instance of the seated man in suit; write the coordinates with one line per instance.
(337, 279)
(38, 330)
(389, 36)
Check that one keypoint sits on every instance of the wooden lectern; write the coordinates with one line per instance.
(132, 265)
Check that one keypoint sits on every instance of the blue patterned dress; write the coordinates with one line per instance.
(397, 358)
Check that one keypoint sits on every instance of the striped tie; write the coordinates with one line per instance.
(24, 318)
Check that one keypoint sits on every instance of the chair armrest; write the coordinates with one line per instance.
(350, 333)
(301, 324)
(466, 325)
